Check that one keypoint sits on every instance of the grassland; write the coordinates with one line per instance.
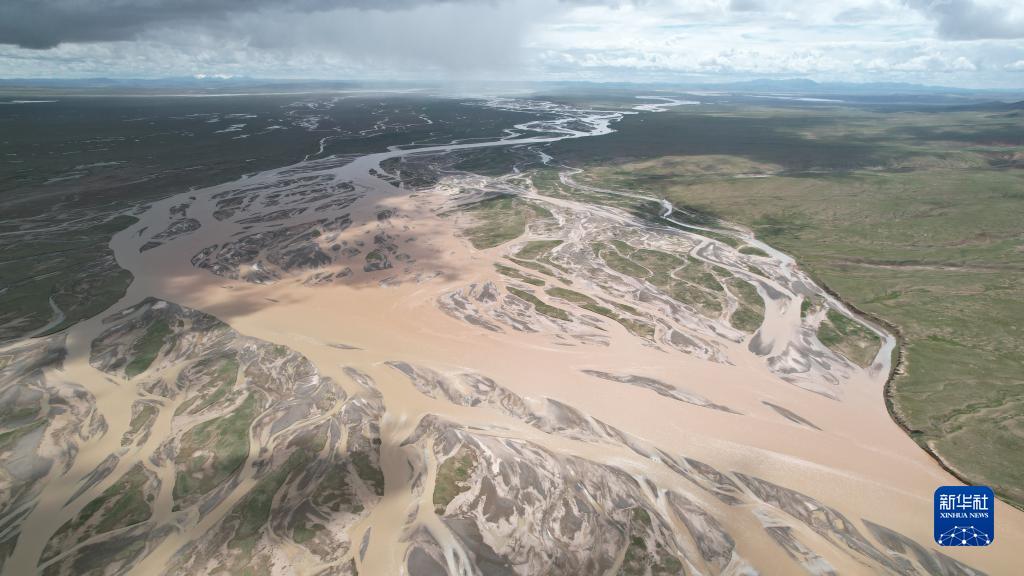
(499, 219)
(146, 348)
(368, 472)
(252, 514)
(451, 477)
(636, 327)
(749, 315)
(914, 217)
(75, 270)
(141, 420)
(753, 251)
(213, 451)
(849, 338)
(688, 281)
(639, 559)
(539, 305)
(222, 380)
(517, 275)
(123, 504)
(536, 255)
(537, 249)
(338, 494)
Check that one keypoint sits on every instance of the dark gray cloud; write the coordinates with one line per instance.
(41, 24)
(46, 23)
(970, 20)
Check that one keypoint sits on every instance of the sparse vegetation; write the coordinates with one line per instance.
(536, 249)
(499, 219)
(805, 306)
(9, 438)
(219, 385)
(146, 348)
(639, 558)
(750, 313)
(637, 327)
(534, 266)
(848, 338)
(616, 261)
(688, 281)
(517, 275)
(212, 451)
(253, 512)
(368, 471)
(539, 305)
(336, 494)
(141, 420)
(451, 477)
(122, 504)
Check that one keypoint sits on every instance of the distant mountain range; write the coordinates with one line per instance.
(214, 83)
(805, 86)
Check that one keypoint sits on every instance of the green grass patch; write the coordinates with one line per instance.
(128, 501)
(10, 438)
(700, 274)
(750, 314)
(620, 263)
(640, 558)
(805, 306)
(753, 251)
(539, 305)
(517, 275)
(849, 338)
(500, 219)
(687, 281)
(368, 471)
(253, 512)
(212, 451)
(660, 264)
(573, 296)
(140, 420)
(636, 327)
(452, 474)
(536, 249)
(697, 297)
(539, 251)
(222, 382)
(535, 266)
(583, 301)
(121, 505)
(335, 493)
(146, 348)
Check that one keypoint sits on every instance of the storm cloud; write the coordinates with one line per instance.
(41, 24)
(46, 23)
(949, 42)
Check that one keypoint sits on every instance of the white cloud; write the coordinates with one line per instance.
(961, 63)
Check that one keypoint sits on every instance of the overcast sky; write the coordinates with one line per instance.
(969, 43)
